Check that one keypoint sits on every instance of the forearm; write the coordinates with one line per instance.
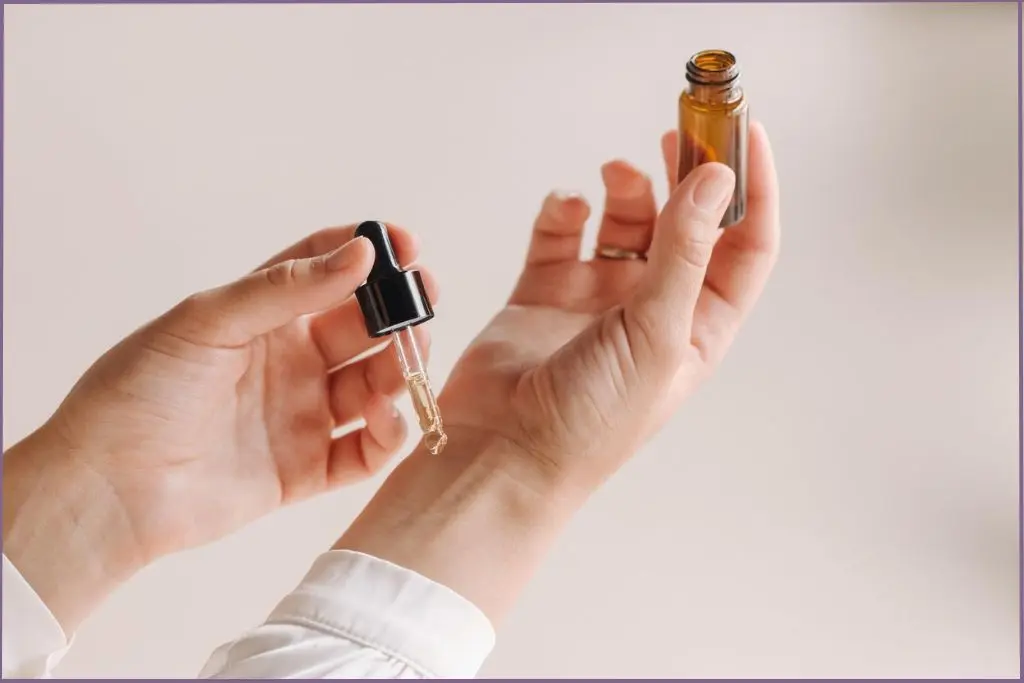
(478, 518)
(62, 528)
(441, 553)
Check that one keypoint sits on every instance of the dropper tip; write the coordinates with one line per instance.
(435, 441)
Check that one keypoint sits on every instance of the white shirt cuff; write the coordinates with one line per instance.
(33, 640)
(393, 610)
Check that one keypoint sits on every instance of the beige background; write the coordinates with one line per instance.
(840, 501)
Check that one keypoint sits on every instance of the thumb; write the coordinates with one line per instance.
(237, 313)
(661, 309)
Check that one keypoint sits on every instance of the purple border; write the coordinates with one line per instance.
(1020, 195)
(502, 2)
(1020, 321)
(1020, 327)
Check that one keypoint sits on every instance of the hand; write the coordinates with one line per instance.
(206, 418)
(589, 357)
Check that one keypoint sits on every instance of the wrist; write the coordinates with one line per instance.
(477, 518)
(63, 528)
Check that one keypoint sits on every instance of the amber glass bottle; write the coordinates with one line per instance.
(713, 122)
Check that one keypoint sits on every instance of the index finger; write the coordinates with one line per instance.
(670, 153)
(323, 241)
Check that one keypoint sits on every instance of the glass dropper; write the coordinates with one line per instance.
(423, 401)
(393, 301)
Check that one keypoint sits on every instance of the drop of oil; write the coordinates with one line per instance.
(435, 440)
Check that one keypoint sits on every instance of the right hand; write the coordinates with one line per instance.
(203, 420)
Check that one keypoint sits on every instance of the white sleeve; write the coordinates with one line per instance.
(32, 641)
(356, 616)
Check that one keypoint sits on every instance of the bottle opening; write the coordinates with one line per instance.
(712, 67)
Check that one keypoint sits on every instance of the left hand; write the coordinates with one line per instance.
(591, 355)
(586, 361)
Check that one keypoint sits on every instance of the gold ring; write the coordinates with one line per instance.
(618, 254)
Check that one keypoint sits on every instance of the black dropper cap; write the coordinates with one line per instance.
(391, 298)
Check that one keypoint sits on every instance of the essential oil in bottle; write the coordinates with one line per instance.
(713, 122)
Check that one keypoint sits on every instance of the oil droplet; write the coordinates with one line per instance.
(435, 440)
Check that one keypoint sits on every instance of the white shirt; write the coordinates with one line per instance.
(352, 616)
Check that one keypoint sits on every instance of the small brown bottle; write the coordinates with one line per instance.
(713, 122)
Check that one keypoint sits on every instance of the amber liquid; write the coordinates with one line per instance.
(713, 127)
(427, 412)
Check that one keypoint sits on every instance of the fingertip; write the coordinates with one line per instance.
(363, 453)
(710, 171)
(423, 338)
(362, 249)
(566, 210)
(353, 259)
(622, 179)
(757, 130)
(670, 146)
(431, 285)
(618, 170)
(762, 162)
(575, 207)
(363, 245)
(406, 244)
(670, 155)
(718, 171)
(385, 422)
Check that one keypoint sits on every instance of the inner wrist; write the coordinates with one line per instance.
(477, 518)
(63, 528)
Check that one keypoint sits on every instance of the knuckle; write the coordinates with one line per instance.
(316, 268)
(193, 318)
(651, 336)
(192, 305)
(195, 309)
(282, 274)
(695, 248)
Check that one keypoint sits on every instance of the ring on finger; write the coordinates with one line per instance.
(618, 254)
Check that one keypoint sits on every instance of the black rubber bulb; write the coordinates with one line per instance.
(385, 263)
(391, 298)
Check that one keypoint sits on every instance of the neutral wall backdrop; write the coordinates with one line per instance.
(841, 500)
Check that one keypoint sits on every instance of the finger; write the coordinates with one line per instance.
(235, 314)
(629, 208)
(661, 310)
(353, 386)
(558, 229)
(744, 257)
(670, 153)
(340, 333)
(362, 453)
(405, 243)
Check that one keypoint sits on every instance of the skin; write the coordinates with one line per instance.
(203, 420)
(237, 390)
(587, 360)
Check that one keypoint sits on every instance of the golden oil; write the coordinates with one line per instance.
(713, 122)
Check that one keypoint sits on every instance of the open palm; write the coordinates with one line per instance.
(631, 337)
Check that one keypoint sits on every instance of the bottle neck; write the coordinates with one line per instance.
(714, 77)
(715, 94)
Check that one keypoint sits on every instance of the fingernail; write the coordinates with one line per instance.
(622, 180)
(554, 205)
(714, 188)
(345, 256)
